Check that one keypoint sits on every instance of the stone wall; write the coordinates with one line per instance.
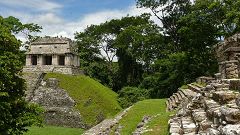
(55, 69)
(229, 69)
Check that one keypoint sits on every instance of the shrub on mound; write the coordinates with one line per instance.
(130, 95)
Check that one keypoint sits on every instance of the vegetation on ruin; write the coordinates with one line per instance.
(94, 101)
(52, 130)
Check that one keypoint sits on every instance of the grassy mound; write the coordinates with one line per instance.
(51, 130)
(93, 100)
(152, 107)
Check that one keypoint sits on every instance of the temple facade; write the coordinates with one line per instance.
(52, 54)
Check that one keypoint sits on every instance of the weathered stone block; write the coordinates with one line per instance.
(205, 124)
(209, 103)
(52, 97)
(188, 125)
(59, 116)
(231, 130)
(234, 84)
(212, 131)
(199, 115)
(224, 96)
(231, 115)
(52, 82)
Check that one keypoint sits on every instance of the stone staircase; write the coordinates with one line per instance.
(33, 80)
(178, 98)
(205, 110)
(106, 126)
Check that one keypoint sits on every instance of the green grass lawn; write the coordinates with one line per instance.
(51, 130)
(152, 107)
(93, 99)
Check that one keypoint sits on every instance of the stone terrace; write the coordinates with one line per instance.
(212, 108)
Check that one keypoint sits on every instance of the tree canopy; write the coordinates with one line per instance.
(160, 58)
(135, 42)
(16, 113)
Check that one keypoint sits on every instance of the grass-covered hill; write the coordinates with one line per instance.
(93, 100)
(153, 107)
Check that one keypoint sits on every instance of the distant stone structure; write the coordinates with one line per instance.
(53, 54)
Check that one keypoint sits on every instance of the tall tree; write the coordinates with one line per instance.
(16, 113)
(168, 12)
(135, 41)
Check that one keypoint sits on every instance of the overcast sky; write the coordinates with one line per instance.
(65, 17)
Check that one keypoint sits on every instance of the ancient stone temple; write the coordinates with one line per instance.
(210, 106)
(52, 54)
(228, 56)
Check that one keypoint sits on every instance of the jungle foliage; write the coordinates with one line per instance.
(16, 113)
(159, 57)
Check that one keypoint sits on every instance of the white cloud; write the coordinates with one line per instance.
(65, 28)
(47, 19)
(54, 25)
(42, 5)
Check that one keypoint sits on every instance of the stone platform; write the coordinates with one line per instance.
(205, 110)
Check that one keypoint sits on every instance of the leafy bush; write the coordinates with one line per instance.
(130, 95)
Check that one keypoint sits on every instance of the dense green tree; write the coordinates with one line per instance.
(135, 41)
(168, 12)
(169, 74)
(16, 113)
(192, 28)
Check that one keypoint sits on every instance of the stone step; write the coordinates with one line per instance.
(175, 97)
(197, 85)
(194, 88)
(172, 102)
(213, 110)
(205, 124)
(189, 93)
(231, 129)
(193, 133)
(182, 94)
(188, 126)
(33, 80)
(224, 97)
(104, 128)
(230, 115)
(169, 106)
(180, 98)
(199, 115)
(209, 103)
(220, 86)
(175, 126)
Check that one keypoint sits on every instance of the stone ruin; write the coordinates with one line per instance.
(59, 55)
(228, 56)
(52, 54)
(59, 107)
(210, 106)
